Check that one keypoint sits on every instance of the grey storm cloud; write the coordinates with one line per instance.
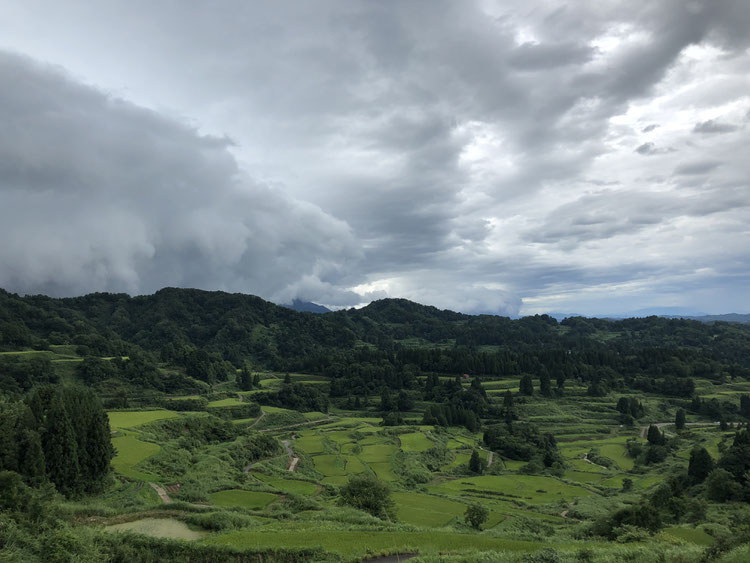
(99, 194)
(649, 148)
(714, 126)
(695, 168)
(474, 155)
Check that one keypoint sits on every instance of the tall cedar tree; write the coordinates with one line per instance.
(60, 447)
(679, 419)
(700, 464)
(246, 380)
(654, 435)
(475, 463)
(526, 385)
(545, 387)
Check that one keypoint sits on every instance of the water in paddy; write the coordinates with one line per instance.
(159, 528)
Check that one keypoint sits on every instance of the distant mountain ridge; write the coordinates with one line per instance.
(726, 318)
(306, 307)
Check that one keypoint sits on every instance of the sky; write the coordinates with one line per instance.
(508, 157)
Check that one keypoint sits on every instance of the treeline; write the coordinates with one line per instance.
(388, 343)
(295, 396)
(57, 434)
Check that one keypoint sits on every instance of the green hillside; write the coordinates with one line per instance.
(217, 427)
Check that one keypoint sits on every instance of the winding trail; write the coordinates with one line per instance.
(162, 493)
(293, 459)
(490, 458)
(257, 420)
(586, 458)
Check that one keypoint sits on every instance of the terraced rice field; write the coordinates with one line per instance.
(353, 544)
(228, 402)
(130, 451)
(131, 419)
(426, 510)
(531, 489)
(415, 442)
(246, 499)
(294, 486)
(378, 453)
(338, 465)
(310, 443)
(159, 528)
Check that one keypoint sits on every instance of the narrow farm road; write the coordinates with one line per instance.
(162, 493)
(293, 459)
(490, 458)
(586, 458)
(257, 420)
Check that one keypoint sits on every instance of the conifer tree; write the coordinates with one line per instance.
(31, 458)
(654, 435)
(475, 462)
(526, 385)
(700, 464)
(545, 388)
(60, 447)
(679, 419)
(245, 380)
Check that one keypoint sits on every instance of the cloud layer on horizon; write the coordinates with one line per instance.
(481, 156)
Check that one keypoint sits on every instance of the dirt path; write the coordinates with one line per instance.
(490, 458)
(161, 492)
(257, 420)
(293, 459)
(586, 458)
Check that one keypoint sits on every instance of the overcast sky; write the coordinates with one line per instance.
(491, 156)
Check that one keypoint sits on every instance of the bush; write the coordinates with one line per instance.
(370, 494)
(476, 514)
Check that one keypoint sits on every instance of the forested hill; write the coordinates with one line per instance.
(377, 344)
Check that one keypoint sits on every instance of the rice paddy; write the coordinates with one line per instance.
(246, 499)
(131, 419)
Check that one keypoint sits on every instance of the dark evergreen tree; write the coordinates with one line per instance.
(476, 386)
(386, 400)
(256, 380)
(31, 458)
(245, 380)
(745, 405)
(526, 385)
(475, 462)
(545, 387)
(679, 420)
(560, 379)
(61, 448)
(405, 402)
(700, 465)
(654, 435)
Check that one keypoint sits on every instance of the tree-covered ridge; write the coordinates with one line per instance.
(389, 342)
